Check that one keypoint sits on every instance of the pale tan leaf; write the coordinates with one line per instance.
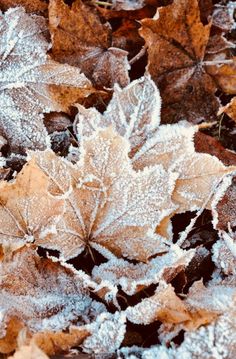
(29, 352)
(98, 215)
(27, 210)
(164, 306)
(32, 83)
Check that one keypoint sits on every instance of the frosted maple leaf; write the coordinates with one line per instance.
(109, 206)
(30, 82)
(27, 210)
(135, 114)
(41, 295)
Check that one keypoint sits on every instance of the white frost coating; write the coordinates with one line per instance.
(107, 333)
(43, 295)
(26, 74)
(130, 276)
(133, 111)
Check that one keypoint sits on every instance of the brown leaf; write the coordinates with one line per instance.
(79, 38)
(32, 83)
(224, 74)
(40, 295)
(27, 210)
(177, 42)
(36, 6)
(229, 109)
(96, 214)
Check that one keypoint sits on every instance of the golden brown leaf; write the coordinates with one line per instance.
(27, 210)
(229, 109)
(79, 38)
(36, 6)
(177, 42)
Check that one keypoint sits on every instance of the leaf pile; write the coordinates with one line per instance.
(117, 199)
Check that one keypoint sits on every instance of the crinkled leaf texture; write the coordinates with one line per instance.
(109, 206)
(27, 210)
(135, 114)
(42, 295)
(32, 83)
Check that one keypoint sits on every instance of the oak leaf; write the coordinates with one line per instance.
(109, 206)
(32, 83)
(79, 38)
(42, 295)
(27, 210)
(177, 47)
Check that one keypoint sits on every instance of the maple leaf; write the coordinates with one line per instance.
(177, 48)
(79, 38)
(134, 277)
(32, 83)
(42, 295)
(27, 210)
(164, 305)
(135, 113)
(109, 205)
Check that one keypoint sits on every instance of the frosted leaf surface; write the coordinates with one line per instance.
(30, 82)
(27, 210)
(41, 294)
(133, 111)
(134, 277)
(107, 333)
(111, 206)
(135, 114)
(164, 305)
(223, 258)
(127, 4)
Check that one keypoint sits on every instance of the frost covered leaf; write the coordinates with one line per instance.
(79, 38)
(127, 4)
(135, 114)
(110, 205)
(134, 277)
(41, 295)
(164, 306)
(107, 333)
(133, 111)
(27, 210)
(32, 83)
(177, 40)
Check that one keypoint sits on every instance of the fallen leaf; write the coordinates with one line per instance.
(41, 295)
(96, 213)
(79, 38)
(177, 42)
(32, 83)
(27, 210)
(29, 352)
(36, 6)
(229, 109)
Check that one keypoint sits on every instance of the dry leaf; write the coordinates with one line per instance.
(134, 277)
(32, 83)
(110, 206)
(164, 306)
(29, 352)
(134, 112)
(177, 41)
(36, 6)
(224, 74)
(79, 38)
(127, 4)
(27, 210)
(41, 295)
(229, 109)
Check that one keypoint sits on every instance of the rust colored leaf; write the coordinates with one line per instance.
(79, 38)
